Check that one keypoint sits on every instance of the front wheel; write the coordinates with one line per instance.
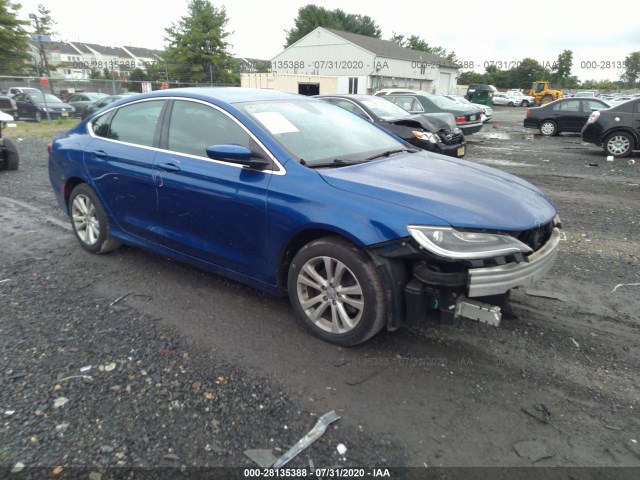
(336, 291)
(89, 221)
(547, 99)
(619, 144)
(37, 116)
(548, 128)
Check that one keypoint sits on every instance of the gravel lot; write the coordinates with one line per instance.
(132, 360)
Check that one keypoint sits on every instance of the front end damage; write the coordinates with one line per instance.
(427, 288)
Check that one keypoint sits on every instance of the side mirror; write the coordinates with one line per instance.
(238, 154)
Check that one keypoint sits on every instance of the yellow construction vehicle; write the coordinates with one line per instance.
(543, 93)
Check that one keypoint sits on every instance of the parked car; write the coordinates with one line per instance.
(8, 105)
(523, 99)
(585, 94)
(504, 99)
(13, 91)
(36, 106)
(467, 118)
(81, 100)
(436, 132)
(564, 115)
(98, 104)
(616, 129)
(485, 109)
(296, 196)
(9, 157)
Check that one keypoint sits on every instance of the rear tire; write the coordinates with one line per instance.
(89, 221)
(37, 116)
(619, 144)
(548, 128)
(336, 292)
(10, 154)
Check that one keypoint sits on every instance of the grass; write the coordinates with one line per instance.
(43, 129)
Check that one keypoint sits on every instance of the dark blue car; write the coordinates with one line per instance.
(296, 196)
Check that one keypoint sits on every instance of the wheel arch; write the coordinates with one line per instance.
(69, 185)
(621, 128)
(299, 240)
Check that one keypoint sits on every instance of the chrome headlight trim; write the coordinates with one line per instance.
(450, 243)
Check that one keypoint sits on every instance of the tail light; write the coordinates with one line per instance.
(528, 112)
(460, 119)
(49, 147)
(593, 117)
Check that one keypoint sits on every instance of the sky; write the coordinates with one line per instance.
(479, 32)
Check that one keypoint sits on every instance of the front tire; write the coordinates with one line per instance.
(547, 99)
(548, 128)
(89, 221)
(37, 116)
(619, 144)
(336, 292)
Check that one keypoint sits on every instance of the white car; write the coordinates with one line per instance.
(500, 98)
(523, 100)
(486, 109)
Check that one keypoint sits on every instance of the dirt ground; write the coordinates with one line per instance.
(558, 384)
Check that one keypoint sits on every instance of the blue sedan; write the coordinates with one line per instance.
(299, 197)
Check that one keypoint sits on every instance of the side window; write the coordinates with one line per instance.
(100, 125)
(570, 106)
(636, 107)
(590, 105)
(195, 126)
(136, 123)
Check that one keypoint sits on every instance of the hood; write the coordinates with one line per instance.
(460, 193)
(431, 122)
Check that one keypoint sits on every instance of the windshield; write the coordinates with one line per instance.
(384, 108)
(320, 133)
(39, 98)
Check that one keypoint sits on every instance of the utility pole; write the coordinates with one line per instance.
(43, 55)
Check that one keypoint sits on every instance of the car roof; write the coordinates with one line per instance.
(223, 94)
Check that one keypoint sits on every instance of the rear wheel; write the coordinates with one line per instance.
(548, 128)
(37, 116)
(10, 154)
(89, 221)
(525, 103)
(619, 144)
(336, 291)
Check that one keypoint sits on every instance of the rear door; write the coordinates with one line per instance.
(119, 160)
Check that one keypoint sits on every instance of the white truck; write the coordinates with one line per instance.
(523, 100)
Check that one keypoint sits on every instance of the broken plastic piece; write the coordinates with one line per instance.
(315, 433)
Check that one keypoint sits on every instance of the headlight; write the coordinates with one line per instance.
(44, 109)
(426, 136)
(450, 243)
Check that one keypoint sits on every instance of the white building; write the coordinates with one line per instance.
(363, 64)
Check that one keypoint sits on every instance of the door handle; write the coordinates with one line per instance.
(99, 153)
(169, 167)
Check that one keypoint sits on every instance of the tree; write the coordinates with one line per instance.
(528, 72)
(311, 17)
(414, 42)
(561, 69)
(197, 50)
(631, 74)
(44, 26)
(13, 38)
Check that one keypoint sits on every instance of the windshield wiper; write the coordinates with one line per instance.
(338, 162)
(389, 152)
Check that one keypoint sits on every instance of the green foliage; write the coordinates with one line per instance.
(95, 74)
(631, 74)
(14, 49)
(197, 50)
(311, 17)
(561, 70)
(45, 22)
(414, 42)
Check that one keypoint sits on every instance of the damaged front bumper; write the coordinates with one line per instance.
(427, 291)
